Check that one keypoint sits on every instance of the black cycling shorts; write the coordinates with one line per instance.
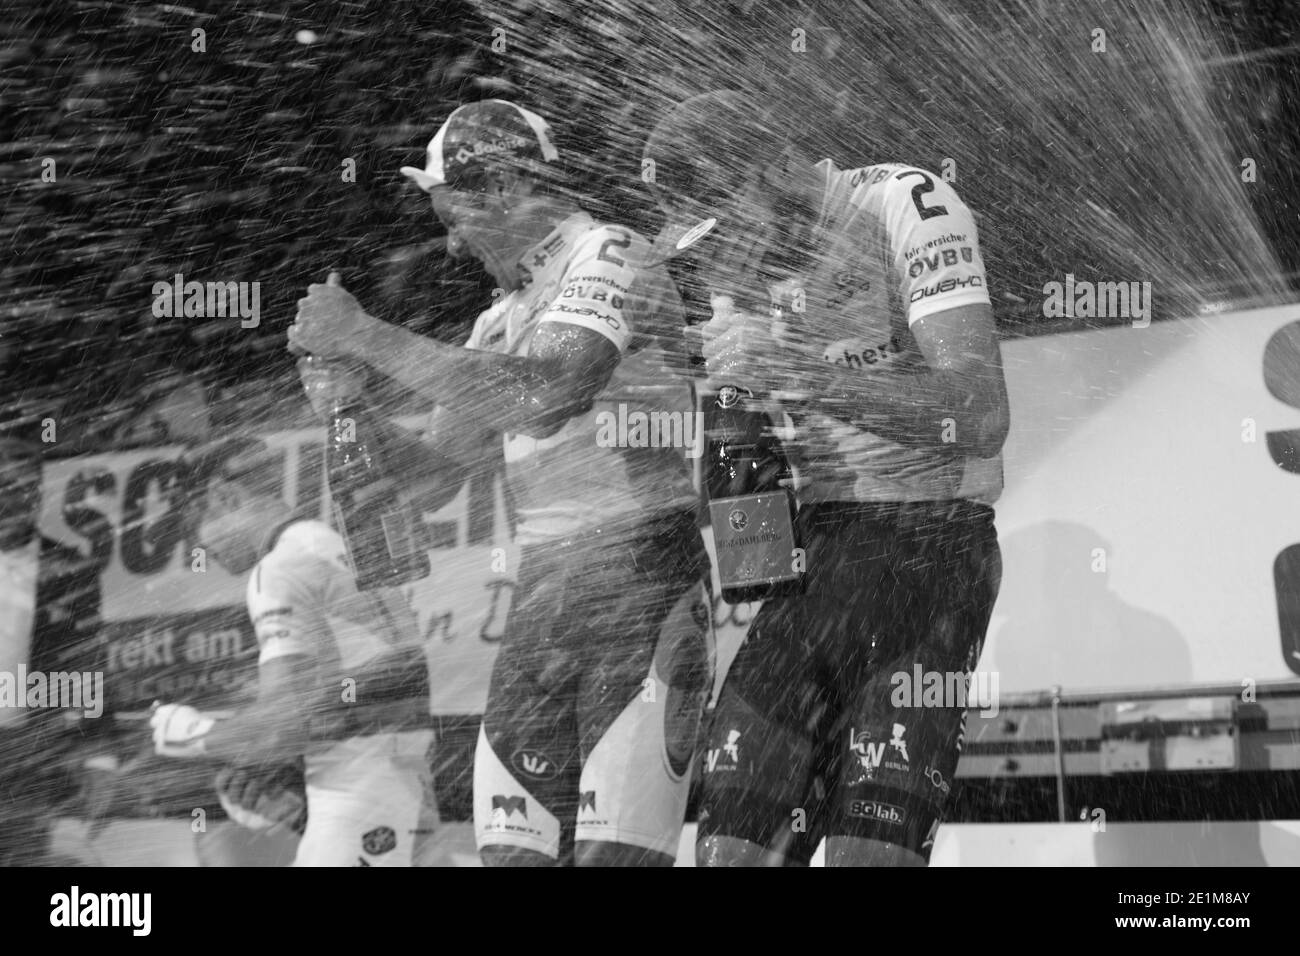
(598, 693)
(817, 731)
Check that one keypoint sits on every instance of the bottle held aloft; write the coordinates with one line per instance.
(370, 463)
(747, 478)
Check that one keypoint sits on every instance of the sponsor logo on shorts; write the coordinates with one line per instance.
(726, 757)
(937, 780)
(379, 840)
(532, 763)
(504, 819)
(587, 813)
(875, 754)
(875, 810)
(506, 806)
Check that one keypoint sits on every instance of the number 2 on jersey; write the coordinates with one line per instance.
(605, 256)
(926, 186)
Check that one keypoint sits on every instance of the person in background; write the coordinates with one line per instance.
(49, 624)
(342, 680)
(588, 740)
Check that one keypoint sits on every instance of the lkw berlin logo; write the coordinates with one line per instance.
(872, 753)
(730, 750)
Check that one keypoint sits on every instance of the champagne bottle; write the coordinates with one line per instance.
(747, 478)
(370, 463)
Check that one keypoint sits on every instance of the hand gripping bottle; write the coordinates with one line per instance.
(370, 463)
(748, 481)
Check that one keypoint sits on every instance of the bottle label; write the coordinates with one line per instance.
(754, 538)
(341, 526)
(399, 532)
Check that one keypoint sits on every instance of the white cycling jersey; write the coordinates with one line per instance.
(894, 245)
(367, 794)
(624, 458)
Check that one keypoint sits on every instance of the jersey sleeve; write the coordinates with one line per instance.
(933, 243)
(489, 328)
(284, 612)
(476, 334)
(596, 290)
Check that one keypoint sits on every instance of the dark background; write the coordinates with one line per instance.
(226, 164)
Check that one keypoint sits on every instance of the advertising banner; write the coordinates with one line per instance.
(1150, 531)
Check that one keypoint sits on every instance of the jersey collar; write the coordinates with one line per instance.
(551, 250)
(272, 537)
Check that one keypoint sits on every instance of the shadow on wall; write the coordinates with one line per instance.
(1065, 626)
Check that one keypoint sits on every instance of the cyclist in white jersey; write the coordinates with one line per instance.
(858, 300)
(342, 680)
(578, 370)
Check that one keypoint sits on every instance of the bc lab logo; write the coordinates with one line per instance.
(738, 520)
(875, 810)
(533, 764)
